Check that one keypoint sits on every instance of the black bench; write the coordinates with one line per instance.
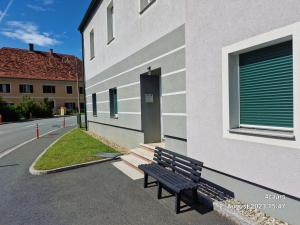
(173, 172)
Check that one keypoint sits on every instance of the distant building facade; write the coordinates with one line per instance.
(39, 75)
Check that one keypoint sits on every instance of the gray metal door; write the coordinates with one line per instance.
(150, 104)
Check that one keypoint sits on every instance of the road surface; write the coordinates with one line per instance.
(93, 195)
(14, 134)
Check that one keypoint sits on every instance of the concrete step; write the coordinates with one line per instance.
(134, 160)
(143, 153)
(151, 146)
(128, 170)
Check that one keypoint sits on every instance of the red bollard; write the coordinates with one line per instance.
(1, 120)
(37, 131)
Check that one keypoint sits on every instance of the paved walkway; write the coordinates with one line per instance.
(98, 194)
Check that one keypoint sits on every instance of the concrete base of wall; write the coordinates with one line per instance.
(123, 137)
(274, 204)
(177, 146)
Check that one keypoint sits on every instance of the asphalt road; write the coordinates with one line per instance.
(13, 134)
(93, 195)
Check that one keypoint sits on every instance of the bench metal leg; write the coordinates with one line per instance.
(177, 202)
(159, 190)
(145, 180)
(195, 195)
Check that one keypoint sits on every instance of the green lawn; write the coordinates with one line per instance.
(75, 147)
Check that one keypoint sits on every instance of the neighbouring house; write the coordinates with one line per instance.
(40, 75)
(217, 81)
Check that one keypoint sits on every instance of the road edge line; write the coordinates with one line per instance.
(7, 152)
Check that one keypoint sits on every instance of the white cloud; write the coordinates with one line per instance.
(3, 13)
(28, 32)
(37, 8)
(48, 2)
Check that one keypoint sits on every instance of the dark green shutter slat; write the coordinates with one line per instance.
(115, 102)
(266, 86)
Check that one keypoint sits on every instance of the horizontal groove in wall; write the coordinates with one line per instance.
(111, 125)
(176, 138)
(138, 66)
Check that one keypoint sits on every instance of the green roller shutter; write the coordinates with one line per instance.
(266, 86)
(115, 102)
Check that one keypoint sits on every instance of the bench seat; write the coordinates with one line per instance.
(174, 172)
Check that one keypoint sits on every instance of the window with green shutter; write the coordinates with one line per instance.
(113, 98)
(266, 86)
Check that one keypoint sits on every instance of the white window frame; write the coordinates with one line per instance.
(27, 85)
(92, 44)
(111, 21)
(7, 83)
(67, 89)
(49, 85)
(230, 89)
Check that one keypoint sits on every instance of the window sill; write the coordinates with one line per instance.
(146, 7)
(110, 41)
(288, 135)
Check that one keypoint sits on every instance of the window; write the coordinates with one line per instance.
(26, 88)
(49, 89)
(70, 106)
(145, 4)
(4, 88)
(69, 89)
(266, 87)
(92, 45)
(81, 90)
(113, 99)
(260, 88)
(94, 102)
(110, 22)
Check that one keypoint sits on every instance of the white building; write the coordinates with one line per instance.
(223, 89)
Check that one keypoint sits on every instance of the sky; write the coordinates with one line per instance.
(45, 23)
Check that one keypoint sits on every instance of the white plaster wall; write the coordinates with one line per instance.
(132, 30)
(210, 26)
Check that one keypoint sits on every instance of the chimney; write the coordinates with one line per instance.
(51, 52)
(31, 47)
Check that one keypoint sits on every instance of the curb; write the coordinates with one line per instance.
(35, 172)
(231, 214)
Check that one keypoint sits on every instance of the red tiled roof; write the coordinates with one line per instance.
(21, 63)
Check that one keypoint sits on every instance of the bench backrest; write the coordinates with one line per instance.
(183, 165)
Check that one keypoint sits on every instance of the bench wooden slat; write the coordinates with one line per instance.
(174, 172)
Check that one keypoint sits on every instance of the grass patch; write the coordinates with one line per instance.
(73, 148)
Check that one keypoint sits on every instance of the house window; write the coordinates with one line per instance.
(26, 88)
(69, 89)
(92, 44)
(260, 86)
(50, 89)
(266, 87)
(81, 90)
(113, 99)
(110, 22)
(4, 88)
(94, 102)
(70, 106)
(145, 4)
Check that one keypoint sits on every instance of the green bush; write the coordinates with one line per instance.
(37, 109)
(9, 112)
